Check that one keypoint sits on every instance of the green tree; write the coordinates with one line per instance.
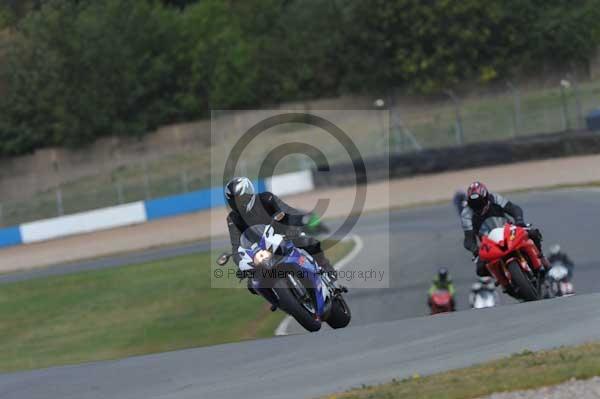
(75, 70)
(78, 71)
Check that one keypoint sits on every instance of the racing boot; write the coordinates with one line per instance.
(481, 270)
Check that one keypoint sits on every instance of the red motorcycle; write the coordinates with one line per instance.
(440, 302)
(514, 261)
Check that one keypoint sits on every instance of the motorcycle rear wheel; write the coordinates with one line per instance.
(339, 316)
(291, 305)
(522, 285)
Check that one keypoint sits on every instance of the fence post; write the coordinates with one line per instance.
(580, 118)
(380, 107)
(59, 202)
(460, 135)
(394, 124)
(184, 181)
(147, 193)
(119, 188)
(516, 108)
(564, 85)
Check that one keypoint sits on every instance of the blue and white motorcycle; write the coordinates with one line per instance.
(290, 279)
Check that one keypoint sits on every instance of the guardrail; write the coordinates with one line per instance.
(467, 156)
(400, 165)
(142, 211)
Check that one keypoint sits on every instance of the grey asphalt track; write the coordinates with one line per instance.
(113, 261)
(423, 239)
(387, 338)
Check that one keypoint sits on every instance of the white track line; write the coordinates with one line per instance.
(345, 261)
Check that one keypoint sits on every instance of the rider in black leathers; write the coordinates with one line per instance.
(249, 208)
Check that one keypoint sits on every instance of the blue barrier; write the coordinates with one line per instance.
(190, 202)
(10, 236)
(155, 209)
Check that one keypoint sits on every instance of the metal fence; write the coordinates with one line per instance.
(447, 119)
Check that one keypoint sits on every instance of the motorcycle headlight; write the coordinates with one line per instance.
(264, 259)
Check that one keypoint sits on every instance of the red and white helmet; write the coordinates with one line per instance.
(478, 197)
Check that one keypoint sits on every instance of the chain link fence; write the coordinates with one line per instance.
(503, 112)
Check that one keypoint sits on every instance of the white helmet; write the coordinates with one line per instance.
(485, 280)
(555, 249)
(240, 194)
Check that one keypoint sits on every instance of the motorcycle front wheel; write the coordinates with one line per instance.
(291, 305)
(339, 316)
(522, 285)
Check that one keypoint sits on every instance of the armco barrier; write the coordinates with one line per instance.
(84, 222)
(10, 236)
(291, 183)
(400, 165)
(184, 203)
(117, 216)
(190, 202)
(468, 156)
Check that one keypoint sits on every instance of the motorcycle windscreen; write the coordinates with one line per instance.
(492, 223)
(252, 235)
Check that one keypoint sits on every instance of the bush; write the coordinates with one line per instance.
(77, 70)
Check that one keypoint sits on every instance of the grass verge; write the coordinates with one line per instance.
(526, 370)
(132, 310)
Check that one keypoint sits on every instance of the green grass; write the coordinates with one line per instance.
(527, 370)
(133, 310)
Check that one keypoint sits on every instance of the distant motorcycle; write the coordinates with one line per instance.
(440, 302)
(293, 281)
(512, 258)
(558, 277)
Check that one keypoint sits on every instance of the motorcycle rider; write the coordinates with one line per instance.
(249, 208)
(482, 204)
(460, 201)
(482, 284)
(442, 282)
(557, 255)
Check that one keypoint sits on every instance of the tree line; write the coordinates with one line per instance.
(72, 71)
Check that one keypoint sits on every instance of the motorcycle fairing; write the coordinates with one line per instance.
(307, 265)
(514, 245)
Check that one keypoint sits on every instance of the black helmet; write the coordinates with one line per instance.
(478, 197)
(443, 274)
(240, 194)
